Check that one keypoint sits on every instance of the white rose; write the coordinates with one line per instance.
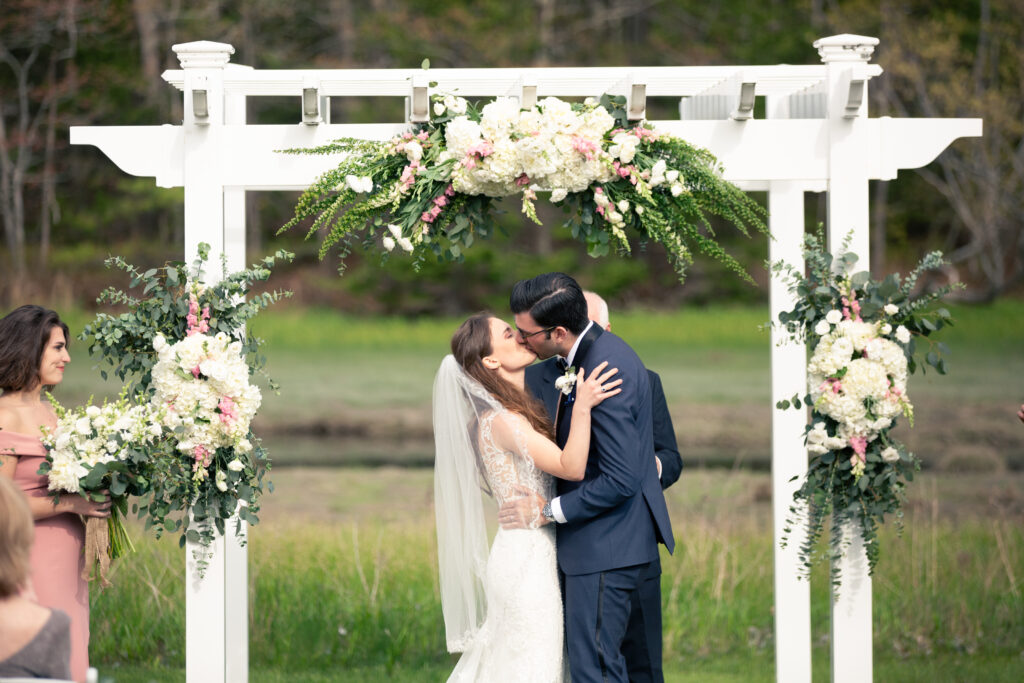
(891, 309)
(623, 206)
(83, 426)
(614, 217)
(244, 446)
(890, 454)
(902, 334)
(405, 244)
(822, 328)
(92, 411)
(833, 317)
(672, 176)
(159, 343)
(639, 210)
(886, 328)
(413, 150)
(359, 184)
(559, 194)
(236, 465)
(389, 243)
(676, 189)
(438, 108)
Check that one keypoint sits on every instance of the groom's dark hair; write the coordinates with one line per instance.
(553, 299)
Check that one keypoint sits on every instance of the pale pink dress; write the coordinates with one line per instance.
(57, 558)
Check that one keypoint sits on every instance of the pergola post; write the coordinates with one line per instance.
(789, 455)
(216, 605)
(845, 58)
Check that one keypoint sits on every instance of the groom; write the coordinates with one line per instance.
(608, 525)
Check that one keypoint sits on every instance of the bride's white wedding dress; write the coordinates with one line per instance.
(503, 609)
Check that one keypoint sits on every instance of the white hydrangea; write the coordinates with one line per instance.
(203, 382)
(859, 380)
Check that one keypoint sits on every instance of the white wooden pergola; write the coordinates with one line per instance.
(816, 137)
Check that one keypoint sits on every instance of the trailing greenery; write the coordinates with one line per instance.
(415, 192)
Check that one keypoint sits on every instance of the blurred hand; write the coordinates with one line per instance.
(80, 505)
(522, 513)
(1020, 413)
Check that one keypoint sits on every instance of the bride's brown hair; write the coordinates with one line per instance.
(470, 343)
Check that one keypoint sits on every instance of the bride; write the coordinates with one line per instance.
(503, 611)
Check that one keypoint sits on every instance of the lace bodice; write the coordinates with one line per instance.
(507, 466)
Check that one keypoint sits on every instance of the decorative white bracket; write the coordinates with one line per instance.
(201, 102)
(525, 90)
(745, 102)
(636, 96)
(311, 102)
(418, 102)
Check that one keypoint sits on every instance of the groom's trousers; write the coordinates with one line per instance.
(597, 615)
(642, 647)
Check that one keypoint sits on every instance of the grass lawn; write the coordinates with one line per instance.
(343, 584)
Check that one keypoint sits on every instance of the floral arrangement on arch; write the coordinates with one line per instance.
(185, 352)
(865, 335)
(431, 190)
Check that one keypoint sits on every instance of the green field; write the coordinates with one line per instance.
(343, 584)
(356, 391)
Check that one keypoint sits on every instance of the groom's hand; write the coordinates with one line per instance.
(522, 513)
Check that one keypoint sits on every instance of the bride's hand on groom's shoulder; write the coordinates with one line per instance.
(593, 389)
(524, 512)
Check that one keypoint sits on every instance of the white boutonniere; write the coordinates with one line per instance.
(566, 382)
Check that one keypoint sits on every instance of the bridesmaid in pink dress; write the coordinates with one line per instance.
(33, 353)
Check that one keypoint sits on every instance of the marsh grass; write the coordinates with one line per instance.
(351, 590)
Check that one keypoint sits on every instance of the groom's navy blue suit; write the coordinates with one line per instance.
(615, 517)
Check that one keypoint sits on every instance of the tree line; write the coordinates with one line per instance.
(98, 62)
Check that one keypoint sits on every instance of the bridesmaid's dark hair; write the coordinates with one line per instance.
(470, 343)
(24, 333)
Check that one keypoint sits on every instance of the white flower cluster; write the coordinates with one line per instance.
(551, 146)
(92, 435)
(566, 382)
(859, 379)
(203, 382)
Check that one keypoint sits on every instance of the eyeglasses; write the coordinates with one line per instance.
(526, 335)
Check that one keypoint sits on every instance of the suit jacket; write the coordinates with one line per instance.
(664, 434)
(616, 515)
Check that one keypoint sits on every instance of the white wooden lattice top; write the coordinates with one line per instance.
(661, 81)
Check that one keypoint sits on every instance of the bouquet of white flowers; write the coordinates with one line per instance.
(95, 450)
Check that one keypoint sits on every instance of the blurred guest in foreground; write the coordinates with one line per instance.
(34, 641)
